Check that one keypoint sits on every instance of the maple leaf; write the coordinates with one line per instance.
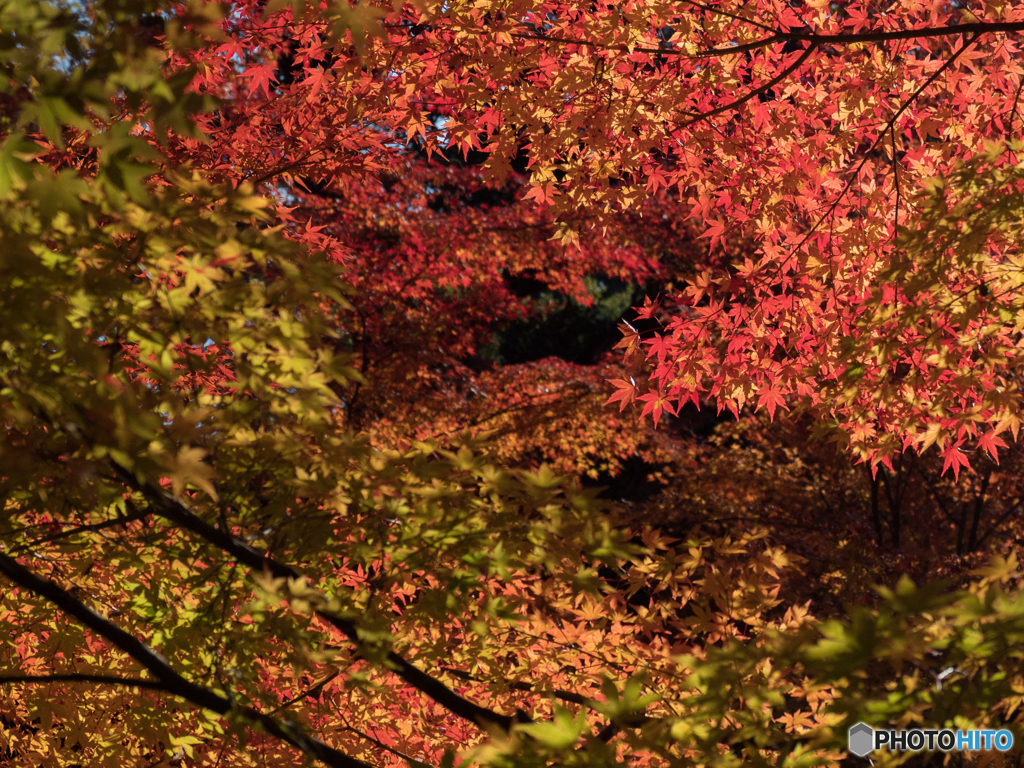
(771, 398)
(655, 405)
(649, 309)
(954, 458)
(261, 76)
(714, 232)
(315, 81)
(187, 466)
(991, 442)
(625, 393)
(542, 194)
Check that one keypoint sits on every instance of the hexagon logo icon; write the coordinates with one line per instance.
(861, 739)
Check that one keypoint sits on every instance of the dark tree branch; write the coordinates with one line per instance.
(961, 526)
(881, 36)
(180, 515)
(816, 40)
(605, 734)
(979, 507)
(1016, 100)
(563, 695)
(876, 518)
(896, 184)
(894, 496)
(120, 520)
(168, 680)
(569, 696)
(376, 742)
(313, 692)
(1000, 520)
(756, 92)
(727, 14)
(710, 53)
(881, 135)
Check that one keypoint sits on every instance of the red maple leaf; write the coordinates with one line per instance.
(954, 458)
(261, 76)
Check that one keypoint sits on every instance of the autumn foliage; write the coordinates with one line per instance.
(516, 384)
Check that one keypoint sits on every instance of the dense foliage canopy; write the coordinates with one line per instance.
(324, 411)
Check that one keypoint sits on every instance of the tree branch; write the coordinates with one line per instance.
(757, 91)
(376, 742)
(120, 520)
(569, 696)
(710, 53)
(881, 135)
(879, 36)
(815, 39)
(180, 515)
(166, 678)
(728, 14)
(605, 734)
(312, 692)
(1002, 519)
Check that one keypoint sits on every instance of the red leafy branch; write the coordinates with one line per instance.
(179, 514)
(167, 679)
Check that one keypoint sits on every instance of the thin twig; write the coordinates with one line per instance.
(127, 682)
(121, 520)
